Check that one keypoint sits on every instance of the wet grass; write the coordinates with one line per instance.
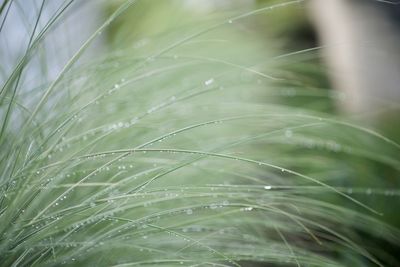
(193, 147)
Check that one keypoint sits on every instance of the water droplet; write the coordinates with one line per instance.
(209, 82)
(151, 110)
(213, 206)
(350, 190)
(189, 211)
(134, 120)
(288, 133)
(333, 146)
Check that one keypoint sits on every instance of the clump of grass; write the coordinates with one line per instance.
(178, 152)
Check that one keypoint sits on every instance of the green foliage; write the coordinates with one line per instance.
(193, 147)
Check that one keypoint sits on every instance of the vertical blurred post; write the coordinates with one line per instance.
(361, 42)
